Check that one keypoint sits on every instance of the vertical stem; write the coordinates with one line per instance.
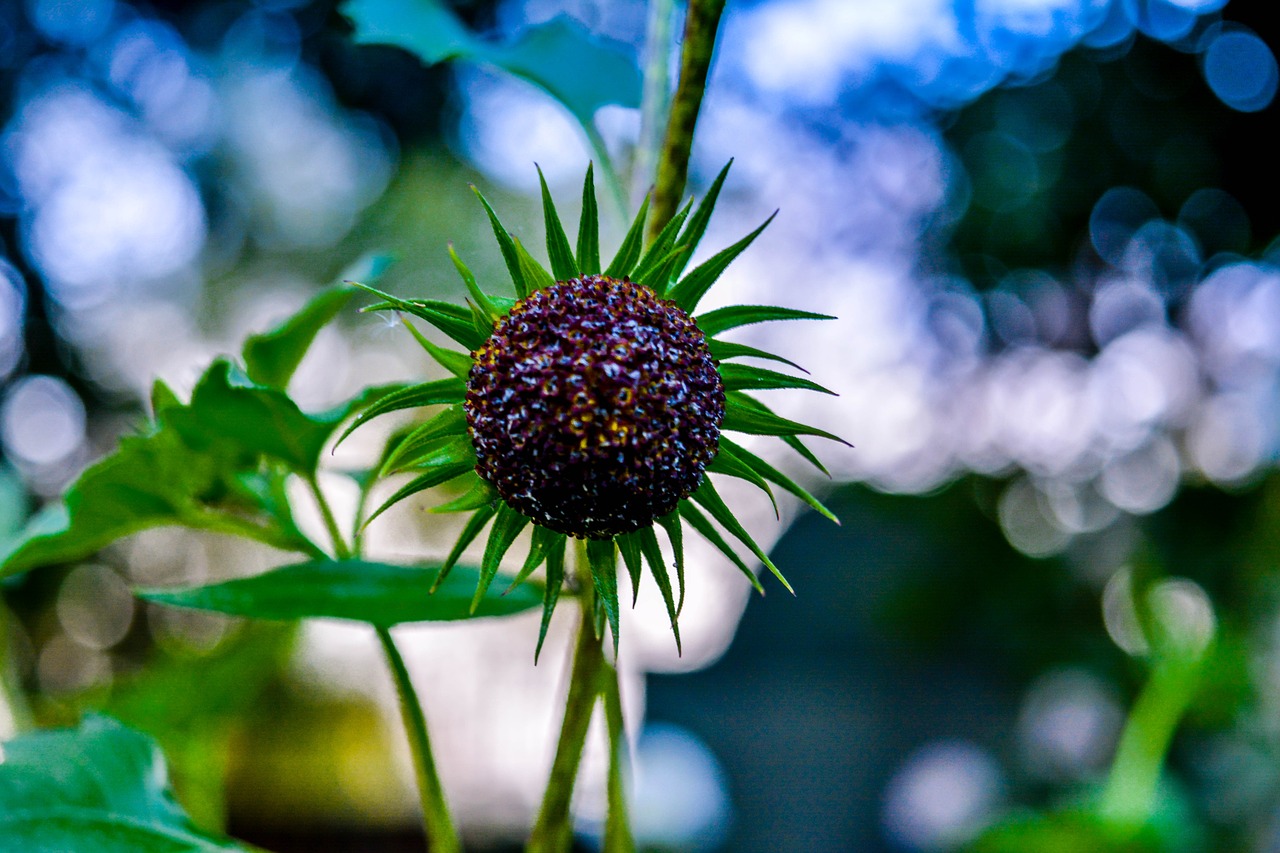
(553, 831)
(340, 548)
(695, 60)
(442, 837)
(617, 827)
(657, 92)
(15, 713)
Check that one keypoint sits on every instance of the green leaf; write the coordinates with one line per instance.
(470, 531)
(629, 252)
(479, 493)
(589, 227)
(544, 540)
(162, 397)
(380, 594)
(707, 495)
(551, 594)
(629, 547)
(412, 449)
(695, 285)
(739, 417)
(745, 377)
(700, 523)
(438, 392)
(457, 363)
(482, 301)
(508, 247)
(775, 476)
(697, 226)
(671, 524)
(453, 320)
(603, 561)
(657, 565)
(99, 787)
(725, 350)
(563, 265)
(535, 276)
(660, 251)
(271, 357)
(726, 462)
(506, 527)
(790, 440)
(442, 473)
(720, 320)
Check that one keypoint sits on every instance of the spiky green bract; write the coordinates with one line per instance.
(529, 387)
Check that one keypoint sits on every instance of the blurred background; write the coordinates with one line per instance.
(1048, 229)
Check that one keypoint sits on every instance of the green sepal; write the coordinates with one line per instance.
(602, 558)
(657, 565)
(506, 527)
(727, 462)
(563, 264)
(629, 252)
(162, 397)
(507, 245)
(437, 392)
(589, 227)
(700, 523)
(480, 321)
(790, 440)
(543, 540)
(271, 357)
(481, 299)
(457, 363)
(697, 226)
(773, 475)
(695, 285)
(711, 501)
(720, 320)
(551, 593)
(453, 320)
(745, 377)
(535, 275)
(660, 250)
(435, 476)
(629, 547)
(725, 350)
(657, 278)
(675, 535)
(450, 421)
(470, 531)
(478, 494)
(741, 417)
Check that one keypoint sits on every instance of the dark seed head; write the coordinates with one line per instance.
(594, 407)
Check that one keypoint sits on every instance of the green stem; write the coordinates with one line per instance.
(657, 91)
(340, 549)
(221, 522)
(553, 831)
(617, 827)
(700, 27)
(442, 837)
(15, 712)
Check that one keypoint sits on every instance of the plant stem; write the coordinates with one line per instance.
(340, 549)
(617, 827)
(442, 837)
(700, 27)
(553, 831)
(657, 92)
(15, 712)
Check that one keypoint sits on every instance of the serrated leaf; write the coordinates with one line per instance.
(101, 786)
(551, 594)
(589, 227)
(453, 320)
(506, 527)
(726, 462)
(536, 277)
(709, 498)
(457, 363)
(411, 449)
(507, 245)
(739, 417)
(661, 250)
(479, 493)
(671, 524)
(481, 299)
(271, 357)
(603, 562)
(629, 547)
(726, 350)
(697, 227)
(690, 289)
(745, 377)
(563, 265)
(720, 320)
(700, 523)
(776, 477)
(629, 252)
(435, 393)
(470, 531)
(380, 594)
(653, 556)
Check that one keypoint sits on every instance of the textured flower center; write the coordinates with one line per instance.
(594, 407)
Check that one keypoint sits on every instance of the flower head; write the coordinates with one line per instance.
(594, 405)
